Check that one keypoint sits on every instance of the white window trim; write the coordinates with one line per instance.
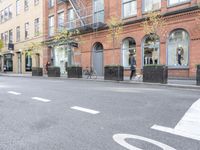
(122, 8)
(177, 4)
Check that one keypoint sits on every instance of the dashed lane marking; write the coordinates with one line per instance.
(14, 93)
(41, 99)
(94, 112)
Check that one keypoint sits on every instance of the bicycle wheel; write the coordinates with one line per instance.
(94, 75)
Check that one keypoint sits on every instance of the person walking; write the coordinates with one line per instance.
(133, 66)
(47, 66)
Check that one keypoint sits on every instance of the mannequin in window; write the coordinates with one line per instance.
(179, 54)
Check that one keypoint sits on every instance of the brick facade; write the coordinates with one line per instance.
(185, 16)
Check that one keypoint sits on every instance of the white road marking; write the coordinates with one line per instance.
(121, 140)
(41, 99)
(188, 126)
(94, 112)
(14, 93)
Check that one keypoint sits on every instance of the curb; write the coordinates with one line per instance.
(111, 81)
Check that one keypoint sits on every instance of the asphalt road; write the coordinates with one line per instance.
(40, 114)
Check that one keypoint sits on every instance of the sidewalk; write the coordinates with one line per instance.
(180, 83)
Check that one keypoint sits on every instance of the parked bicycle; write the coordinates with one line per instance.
(89, 72)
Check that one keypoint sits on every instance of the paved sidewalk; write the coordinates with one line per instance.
(180, 83)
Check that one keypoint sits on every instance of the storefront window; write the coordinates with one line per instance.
(60, 58)
(28, 61)
(8, 62)
(178, 49)
(128, 47)
(151, 50)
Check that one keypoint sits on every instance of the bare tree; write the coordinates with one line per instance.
(115, 28)
(153, 25)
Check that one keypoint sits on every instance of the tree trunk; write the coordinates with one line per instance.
(113, 54)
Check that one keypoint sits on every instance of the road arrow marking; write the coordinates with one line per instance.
(188, 126)
(14, 93)
(41, 99)
(94, 112)
(121, 139)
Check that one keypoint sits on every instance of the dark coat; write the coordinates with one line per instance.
(133, 63)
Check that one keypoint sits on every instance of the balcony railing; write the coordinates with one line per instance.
(83, 17)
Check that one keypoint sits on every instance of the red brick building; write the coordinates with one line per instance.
(177, 47)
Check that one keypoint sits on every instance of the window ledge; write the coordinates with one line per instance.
(130, 17)
(146, 12)
(178, 68)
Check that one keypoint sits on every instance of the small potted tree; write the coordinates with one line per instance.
(53, 71)
(198, 74)
(153, 25)
(114, 71)
(155, 74)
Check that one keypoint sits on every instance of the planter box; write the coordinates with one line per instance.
(53, 71)
(114, 73)
(37, 71)
(155, 74)
(74, 72)
(198, 75)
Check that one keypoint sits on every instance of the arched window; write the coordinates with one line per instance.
(98, 47)
(128, 47)
(178, 49)
(151, 48)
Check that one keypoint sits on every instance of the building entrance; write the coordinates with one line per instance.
(8, 62)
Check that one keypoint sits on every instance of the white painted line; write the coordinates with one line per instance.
(94, 112)
(14, 93)
(188, 126)
(121, 140)
(175, 132)
(41, 99)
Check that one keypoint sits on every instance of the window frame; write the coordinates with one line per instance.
(71, 23)
(143, 46)
(51, 27)
(36, 2)
(98, 12)
(17, 33)
(143, 7)
(26, 30)
(10, 36)
(122, 5)
(17, 7)
(63, 23)
(167, 51)
(51, 3)
(127, 49)
(26, 5)
(36, 26)
(177, 4)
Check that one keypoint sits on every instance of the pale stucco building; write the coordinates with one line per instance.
(21, 25)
